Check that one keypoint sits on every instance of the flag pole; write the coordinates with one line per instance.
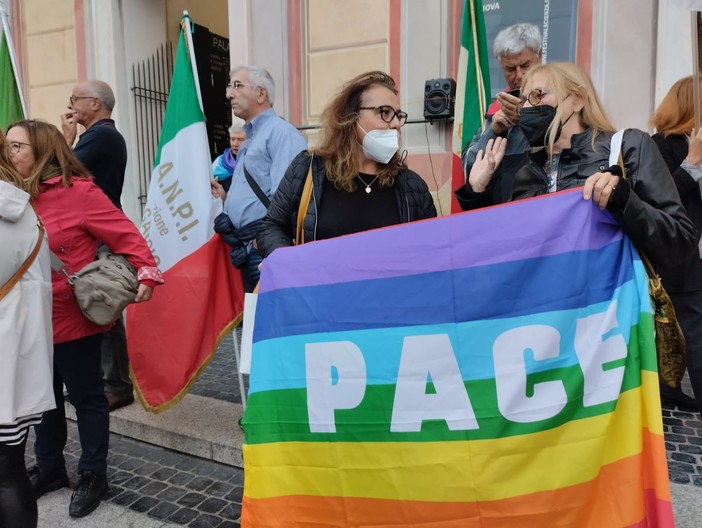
(13, 60)
(185, 22)
(695, 67)
(478, 70)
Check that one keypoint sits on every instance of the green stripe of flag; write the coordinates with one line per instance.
(10, 102)
(183, 107)
(268, 410)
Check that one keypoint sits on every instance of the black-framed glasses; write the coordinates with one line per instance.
(74, 98)
(387, 113)
(14, 147)
(236, 85)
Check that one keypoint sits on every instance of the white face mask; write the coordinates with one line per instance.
(380, 145)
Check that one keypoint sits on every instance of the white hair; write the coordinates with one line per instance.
(259, 78)
(514, 39)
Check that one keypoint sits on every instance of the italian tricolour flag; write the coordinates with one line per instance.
(472, 87)
(172, 337)
(12, 106)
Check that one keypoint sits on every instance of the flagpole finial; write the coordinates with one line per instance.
(186, 16)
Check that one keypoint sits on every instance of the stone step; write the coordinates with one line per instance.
(199, 426)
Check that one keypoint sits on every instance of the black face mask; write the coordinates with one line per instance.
(534, 122)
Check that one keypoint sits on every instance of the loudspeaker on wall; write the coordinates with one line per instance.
(439, 98)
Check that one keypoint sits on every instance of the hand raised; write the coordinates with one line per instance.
(69, 127)
(486, 164)
(217, 190)
(509, 104)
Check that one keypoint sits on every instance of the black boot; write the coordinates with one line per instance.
(18, 507)
(44, 482)
(86, 497)
(677, 398)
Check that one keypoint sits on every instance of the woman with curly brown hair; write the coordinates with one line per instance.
(359, 178)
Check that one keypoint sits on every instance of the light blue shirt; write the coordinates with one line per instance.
(270, 146)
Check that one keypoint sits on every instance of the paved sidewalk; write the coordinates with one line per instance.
(683, 442)
(220, 380)
(150, 486)
(53, 513)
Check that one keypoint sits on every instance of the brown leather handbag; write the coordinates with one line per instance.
(670, 341)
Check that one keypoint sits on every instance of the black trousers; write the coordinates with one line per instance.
(77, 364)
(688, 308)
(18, 507)
(115, 361)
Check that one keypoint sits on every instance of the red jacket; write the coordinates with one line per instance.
(76, 218)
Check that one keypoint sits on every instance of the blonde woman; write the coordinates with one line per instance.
(570, 135)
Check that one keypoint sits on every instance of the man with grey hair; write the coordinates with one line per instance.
(517, 48)
(103, 151)
(271, 145)
(223, 166)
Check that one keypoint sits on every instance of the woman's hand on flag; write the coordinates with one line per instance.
(144, 293)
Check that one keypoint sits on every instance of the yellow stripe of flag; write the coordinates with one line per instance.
(479, 470)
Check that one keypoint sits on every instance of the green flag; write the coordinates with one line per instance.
(472, 87)
(10, 102)
(473, 80)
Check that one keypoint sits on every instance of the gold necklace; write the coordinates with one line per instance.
(368, 185)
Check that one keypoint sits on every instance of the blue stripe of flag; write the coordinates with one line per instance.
(559, 282)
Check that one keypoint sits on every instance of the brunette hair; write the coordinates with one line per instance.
(52, 155)
(8, 172)
(339, 143)
(565, 79)
(676, 113)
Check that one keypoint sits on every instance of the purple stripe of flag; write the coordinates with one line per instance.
(478, 238)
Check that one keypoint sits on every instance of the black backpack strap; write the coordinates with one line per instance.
(256, 189)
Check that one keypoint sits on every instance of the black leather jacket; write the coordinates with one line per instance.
(653, 216)
(687, 276)
(278, 227)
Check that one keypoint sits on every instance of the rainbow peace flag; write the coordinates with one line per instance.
(487, 369)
